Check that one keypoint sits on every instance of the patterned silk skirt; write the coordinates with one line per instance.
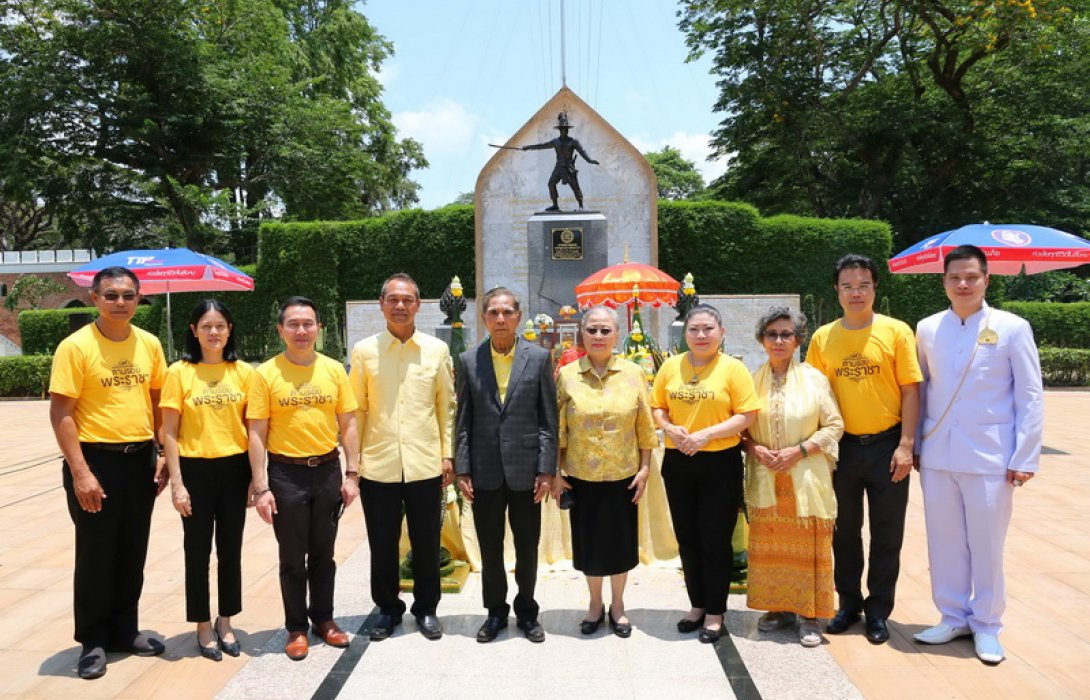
(790, 558)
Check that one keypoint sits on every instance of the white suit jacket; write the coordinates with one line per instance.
(996, 418)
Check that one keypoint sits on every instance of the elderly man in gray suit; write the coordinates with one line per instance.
(506, 455)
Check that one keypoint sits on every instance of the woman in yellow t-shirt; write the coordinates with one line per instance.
(204, 438)
(606, 436)
(703, 400)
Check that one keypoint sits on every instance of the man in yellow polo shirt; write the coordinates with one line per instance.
(104, 402)
(297, 404)
(871, 362)
(506, 439)
(404, 386)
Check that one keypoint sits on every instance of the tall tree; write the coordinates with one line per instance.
(170, 121)
(927, 113)
(677, 177)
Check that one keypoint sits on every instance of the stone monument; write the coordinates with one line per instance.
(527, 242)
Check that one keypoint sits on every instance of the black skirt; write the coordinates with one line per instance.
(604, 527)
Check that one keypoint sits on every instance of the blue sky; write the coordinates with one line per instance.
(467, 73)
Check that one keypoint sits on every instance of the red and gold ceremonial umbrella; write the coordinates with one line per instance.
(613, 285)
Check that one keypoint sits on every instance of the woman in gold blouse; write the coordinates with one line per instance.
(791, 452)
(605, 442)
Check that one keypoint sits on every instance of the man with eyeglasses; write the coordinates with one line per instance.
(404, 385)
(980, 441)
(104, 398)
(297, 405)
(870, 360)
(506, 456)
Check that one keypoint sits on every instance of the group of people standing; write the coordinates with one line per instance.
(815, 439)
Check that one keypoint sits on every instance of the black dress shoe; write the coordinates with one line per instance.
(877, 631)
(685, 626)
(213, 652)
(591, 626)
(709, 636)
(229, 648)
(491, 628)
(92, 663)
(621, 629)
(532, 629)
(384, 627)
(842, 621)
(143, 645)
(429, 626)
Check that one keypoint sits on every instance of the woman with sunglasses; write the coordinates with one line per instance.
(605, 440)
(791, 453)
(205, 441)
(703, 400)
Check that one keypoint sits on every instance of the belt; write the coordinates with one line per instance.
(873, 437)
(306, 461)
(122, 447)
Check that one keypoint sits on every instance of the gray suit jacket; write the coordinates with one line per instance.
(511, 442)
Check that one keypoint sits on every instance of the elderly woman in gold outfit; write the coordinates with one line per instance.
(606, 436)
(791, 450)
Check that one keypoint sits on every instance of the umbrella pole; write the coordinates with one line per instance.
(170, 329)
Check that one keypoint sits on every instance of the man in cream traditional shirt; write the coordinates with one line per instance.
(981, 439)
(404, 385)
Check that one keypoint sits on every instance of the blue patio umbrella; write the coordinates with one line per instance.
(1010, 249)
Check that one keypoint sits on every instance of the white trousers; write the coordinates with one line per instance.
(967, 516)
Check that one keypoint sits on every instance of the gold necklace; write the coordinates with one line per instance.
(696, 374)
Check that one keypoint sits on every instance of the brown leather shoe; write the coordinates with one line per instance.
(297, 646)
(331, 634)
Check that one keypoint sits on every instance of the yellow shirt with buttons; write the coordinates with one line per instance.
(405, 392)
(501, 365)
(604, 421)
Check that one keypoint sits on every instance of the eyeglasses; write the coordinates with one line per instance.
(114, 296)
(773, 336)
(605, 331)
(864, 288)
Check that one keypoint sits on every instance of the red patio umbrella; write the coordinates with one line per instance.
(613, 285)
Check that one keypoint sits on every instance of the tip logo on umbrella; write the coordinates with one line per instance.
(1012, 237)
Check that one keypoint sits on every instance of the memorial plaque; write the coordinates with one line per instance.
(567, 243)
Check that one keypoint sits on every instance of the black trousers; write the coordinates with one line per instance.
(307, 504)
(217, 493)
(111, 546)
(864, 469)
(525, 518)
(705, 492)
(384, 504)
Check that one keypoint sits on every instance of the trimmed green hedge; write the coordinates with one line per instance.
(1065, 366)
(1055, 325)
(26, 375)
(42, 330)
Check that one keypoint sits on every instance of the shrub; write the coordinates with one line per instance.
(1055, 325)
(1065, 366)
(42, 330)
(26, 375)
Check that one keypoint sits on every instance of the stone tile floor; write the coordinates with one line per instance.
(1048, 564)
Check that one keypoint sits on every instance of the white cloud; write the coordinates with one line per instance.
(694, 147)
(444, 128)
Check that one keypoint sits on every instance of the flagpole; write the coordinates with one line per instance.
(563, 56)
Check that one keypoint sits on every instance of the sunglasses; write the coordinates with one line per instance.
(598, 331)
(114, 296)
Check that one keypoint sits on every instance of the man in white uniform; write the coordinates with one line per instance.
(981, 426)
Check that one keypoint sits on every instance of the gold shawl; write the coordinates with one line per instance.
(810, 413)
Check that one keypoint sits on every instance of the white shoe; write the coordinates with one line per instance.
(942, 633)
(988, 648)
(809, 633)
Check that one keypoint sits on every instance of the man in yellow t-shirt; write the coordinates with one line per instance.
(104, 391)
(871, 362)
(404, 386)
(297, 404)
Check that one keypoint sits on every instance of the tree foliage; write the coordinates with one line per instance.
(31, 290)
(677, 177)
(927, 113)
(171, 121)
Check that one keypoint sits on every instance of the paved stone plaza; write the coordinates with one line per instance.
(1048, 653)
